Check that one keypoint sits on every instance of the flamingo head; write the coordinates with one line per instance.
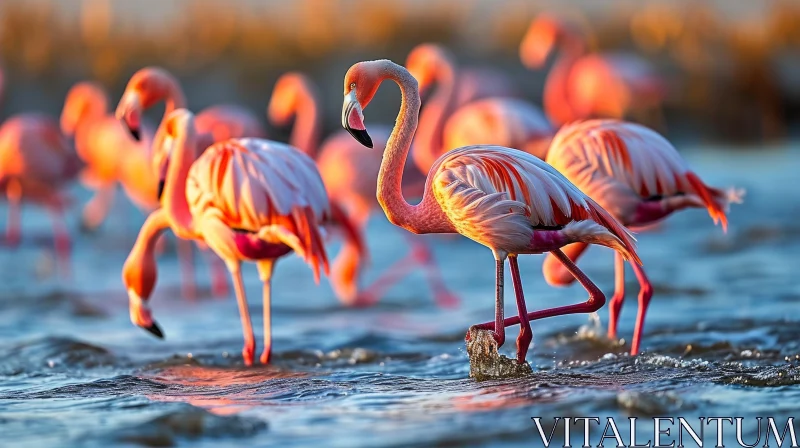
(139, 277)
(177, 133)
(129, 111)
(360, 84)
(540, 40)
(284, 101)
(85, 101)
(426, 63)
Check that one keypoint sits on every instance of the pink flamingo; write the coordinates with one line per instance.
(507, 200)
(248, 199)
(109, 153)
(584, 85)
(639, 177)
(350, 174)
(36, 162)
(507, 122)
(151, 85)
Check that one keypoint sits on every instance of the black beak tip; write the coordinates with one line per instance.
(160, 189)
(136, 134)
(361, 136)
(155, 330)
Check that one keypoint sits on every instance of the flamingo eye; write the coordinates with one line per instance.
(352, 85)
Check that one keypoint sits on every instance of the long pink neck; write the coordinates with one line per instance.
(557, 99)
(425, 217)
(174, 200)
(164, 86)
(140, 266)
(305, 135)
(429, 138)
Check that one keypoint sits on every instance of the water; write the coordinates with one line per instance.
(721, 339)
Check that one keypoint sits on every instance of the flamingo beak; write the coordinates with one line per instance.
(155, 330)
(353, 119)
(160, 189)
(136, 134)
(129, 111)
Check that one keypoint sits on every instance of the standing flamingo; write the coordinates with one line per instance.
(248, 199)
(507, 122)
(36, 162)
(504, 199)
(585, 85)
(350, 173)
(151, 85)
(639, 177)
(108, 151)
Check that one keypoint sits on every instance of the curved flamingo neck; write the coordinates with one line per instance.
(429, 141)
(174, 198)
(420, 218)
(140, 266)
(161, 85)
(557, 99)
(305, 134)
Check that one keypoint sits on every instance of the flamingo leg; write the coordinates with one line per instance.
(595, 302)
(265, 269)
(96, 210)
(61, 239)
(249, 350)
(498, 326)
(186, 263)
(615, 305)
(525, 333)
(421, 253)
(13, 227)
(219, 282)
(645, 294)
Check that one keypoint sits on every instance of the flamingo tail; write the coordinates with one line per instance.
(716, 200)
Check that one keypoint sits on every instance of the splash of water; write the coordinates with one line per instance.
(486, 363)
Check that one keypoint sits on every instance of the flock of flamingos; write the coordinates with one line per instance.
(578, 175)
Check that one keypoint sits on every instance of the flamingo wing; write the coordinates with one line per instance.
(598, 155)
(499, 196)
(251, 184)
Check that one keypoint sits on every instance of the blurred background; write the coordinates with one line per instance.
(732, 66)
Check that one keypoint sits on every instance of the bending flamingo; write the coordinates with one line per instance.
(36, 162)
(507, 200)
(507, 122)
(151, 85)
(350, 174)
(639, 177)
(586, 85)
(248, 199)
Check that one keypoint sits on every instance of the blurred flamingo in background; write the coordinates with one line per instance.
(507, 122)
(504, 199)
(248, 199)
(589, 85)
(151, 85)
(639, 177)
(350, 173)
(36, 162)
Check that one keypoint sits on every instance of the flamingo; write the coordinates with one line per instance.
(502, 198)
(507, 122)
(151, 85)
(109, 152)
(247, 199)
(586, 85)
(350, 173)
(639, 177)
(36, 162)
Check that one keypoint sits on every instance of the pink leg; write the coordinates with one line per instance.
(186, 262)
(645, 293)
(499, 325)
(96, 210)
(595, 302)
(219, 281)
(265, 269)
(61, 239)
(615, 306)
(525, 333)
(249, 350)
(14, 195)
(421, 254)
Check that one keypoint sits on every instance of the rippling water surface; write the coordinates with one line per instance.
(722, 338)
